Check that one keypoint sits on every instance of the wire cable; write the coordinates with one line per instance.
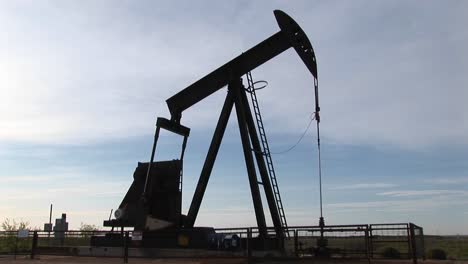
(300, 138)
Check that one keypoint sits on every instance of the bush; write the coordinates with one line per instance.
(8, 241)
(11, 225)
(391, 253)
(437, 254)
(87, 230)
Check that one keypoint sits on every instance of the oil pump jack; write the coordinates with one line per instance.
(153, 202)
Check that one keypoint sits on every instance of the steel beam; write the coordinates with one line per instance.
(209, 161)
(150, 165)
(290, 35)
(262, 166)
(235, 87)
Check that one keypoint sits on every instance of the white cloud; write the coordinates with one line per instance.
(31, 179)
(83, 197)
(83, 79)
(363, 186)
(420, 204)
(452, 180)
(73, 73)
(404, 193)
(61, 184)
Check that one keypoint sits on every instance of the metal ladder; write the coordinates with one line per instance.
(266, 152)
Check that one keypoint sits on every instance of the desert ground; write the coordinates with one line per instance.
(92, 260)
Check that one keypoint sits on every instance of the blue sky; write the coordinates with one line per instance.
(82, 82)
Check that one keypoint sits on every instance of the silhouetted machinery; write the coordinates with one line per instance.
(152, 205)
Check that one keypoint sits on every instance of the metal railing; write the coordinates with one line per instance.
(343, 241)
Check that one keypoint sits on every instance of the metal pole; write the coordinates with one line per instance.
(181, 180)
(321, 220)
(322, 240)
(110, 215)
(235, 87)
(16, 244)
(148, 172)
(262, 167)
(50, 223)
(408, 236)
(34, 245)
(50, 214)
(296, 243)
(209, 161)
(320, 168)
(371, 243)
(366, 237)
(413, 244)
(249, 245)
(423, 246)
(126, 238)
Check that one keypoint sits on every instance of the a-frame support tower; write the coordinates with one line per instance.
(236, 96)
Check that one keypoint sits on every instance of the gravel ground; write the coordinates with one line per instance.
(92, 260)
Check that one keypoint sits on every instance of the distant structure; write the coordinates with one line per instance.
(48, 226)
(61, 225)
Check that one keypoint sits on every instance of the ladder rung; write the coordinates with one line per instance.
(266, 152)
